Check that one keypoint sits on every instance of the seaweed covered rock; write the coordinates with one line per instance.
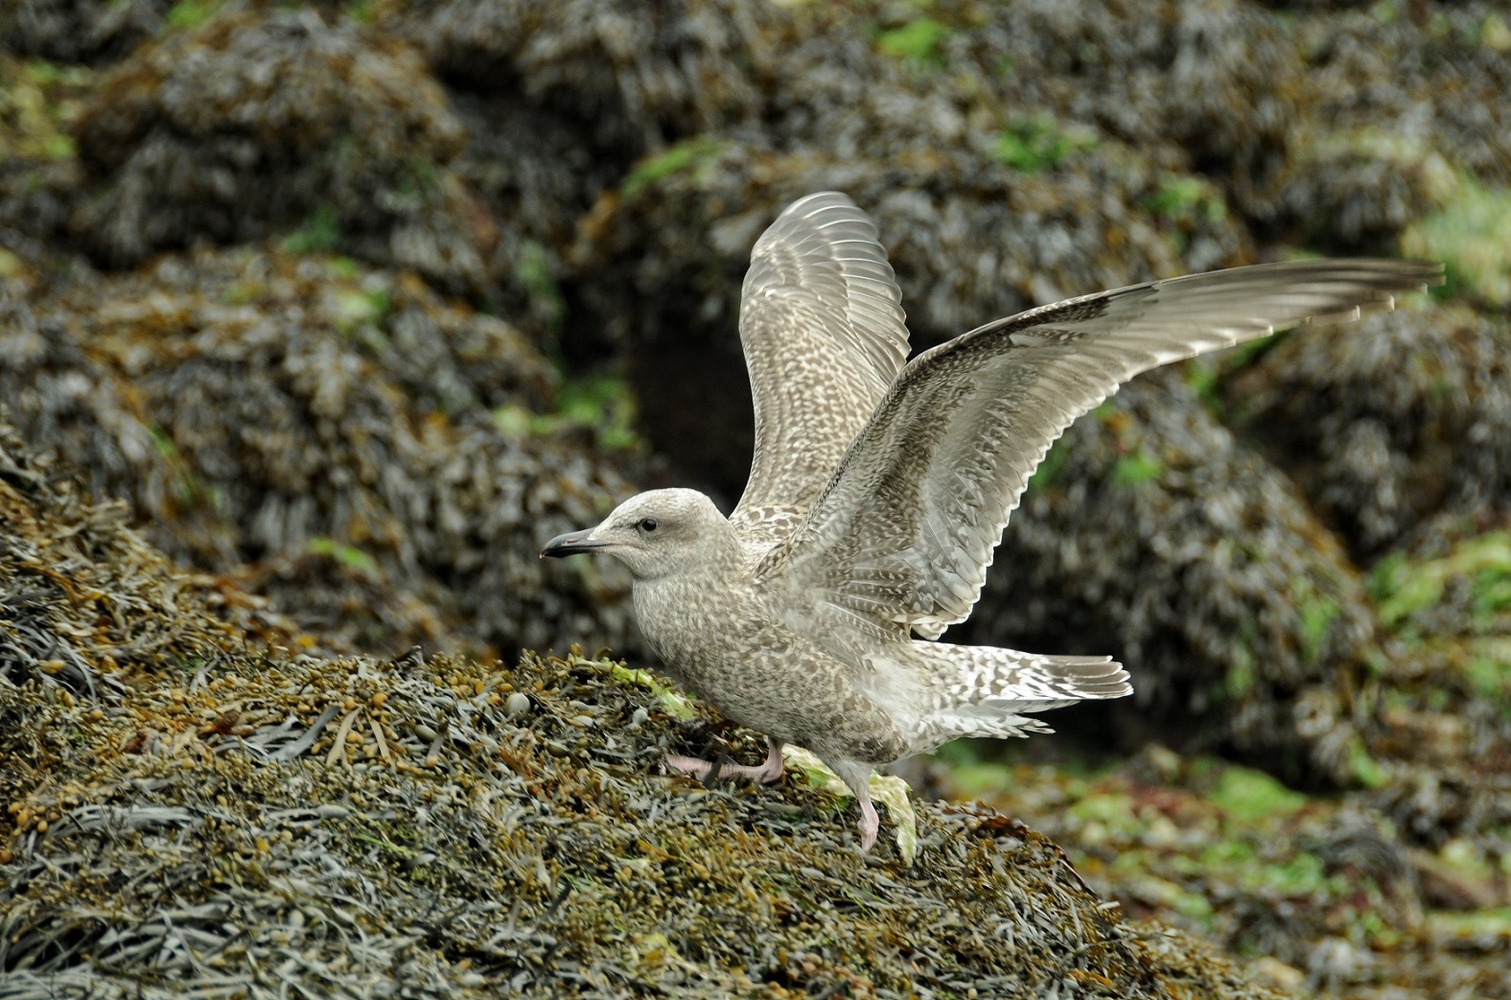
(262, 121)
(482, 851)
(347, 825)
(630, 77)
(1447, 705)
(85, 599)
(628, 95)
(1399, 422)
(560, 100)
(66, 399)
(39, 175)
(1217, 87)
(79, 31)
(384, 464)
(1342, 899)
(1150, 532)
(1405, 102)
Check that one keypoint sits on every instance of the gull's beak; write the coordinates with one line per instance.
(572, 543)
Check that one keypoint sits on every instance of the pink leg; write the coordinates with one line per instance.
(761, 773)
(857, 775)
(870, 823)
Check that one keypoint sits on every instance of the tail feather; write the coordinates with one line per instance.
(988, 691)
(974, 674)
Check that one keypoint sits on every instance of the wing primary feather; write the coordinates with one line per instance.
(985, 408)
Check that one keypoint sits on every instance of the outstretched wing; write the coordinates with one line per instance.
(824, 336)
(903, 534)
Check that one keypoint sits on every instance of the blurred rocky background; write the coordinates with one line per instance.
(353, 305)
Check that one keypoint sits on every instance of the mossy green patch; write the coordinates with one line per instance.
(1480, 924)
(1401, 587)
(321, 232)
(688, 154)
(1203, 379)
(603, 405)
(1471, 234)
(537, 275)
(356, 307)
(1317, 611)
(1241, 675)
(344, 553)
(675, 704)
(1037, 144)
(1048, 472)
(980, 778)
(39, 102)
(1152, 890)
(187, 14)
(1301, 875)
(1364, 768)
(1252, 795)
(1136, 469)
(918, 41)
(1490, 679)
(1184, 197)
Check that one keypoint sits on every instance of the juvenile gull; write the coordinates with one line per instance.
(879, 489)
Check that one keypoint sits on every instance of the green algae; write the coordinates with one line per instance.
(1133, 470)
(601, 405)
(1472, 234)
(918, 41)
(1251, 795)
(1039, 144)
(320, 233)
(1404, 587)
(689, 155)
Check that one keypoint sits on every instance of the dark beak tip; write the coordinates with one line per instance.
(569, 544)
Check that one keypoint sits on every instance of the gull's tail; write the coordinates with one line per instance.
(986, 691)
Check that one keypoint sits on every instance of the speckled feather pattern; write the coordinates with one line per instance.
(879, 490)
(824, 334)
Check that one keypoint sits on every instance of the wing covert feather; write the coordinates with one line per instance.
(823, 329)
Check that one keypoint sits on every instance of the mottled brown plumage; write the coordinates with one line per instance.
(878, 491)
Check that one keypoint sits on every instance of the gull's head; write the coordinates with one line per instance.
(655, 534)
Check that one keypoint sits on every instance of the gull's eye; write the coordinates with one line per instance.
(648, 524)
